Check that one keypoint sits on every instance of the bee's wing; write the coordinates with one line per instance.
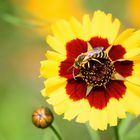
(94, 51)
(90, 53)
(98, 49)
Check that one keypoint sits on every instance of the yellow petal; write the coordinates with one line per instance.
(115, 110)
(98, 24)
(73, 110)
(132, 41)
(49, 68)
(133, 52)
(62, 107)
(134, 80)
(103, 26)
(81, 109)
(133, 88)
(63, 31)
(51, 55)
(136, 69)
(123, 36)
(57, 96)
(84, 113)
(98, 119)
(135, 77)
(136, 59)
(52, 82)
(77, 28)
(87, 27)
(113, 31)
(56, 44)
(131, 102)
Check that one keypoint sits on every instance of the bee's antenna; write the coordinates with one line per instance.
(69, 68)
(73, 74)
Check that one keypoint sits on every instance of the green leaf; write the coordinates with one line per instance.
(101, 135)
(133, 134)
(129, 128)
(17, 21)
(93, 134)
(48, 135)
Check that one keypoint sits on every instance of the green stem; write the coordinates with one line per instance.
(116, 131)
(56, 133)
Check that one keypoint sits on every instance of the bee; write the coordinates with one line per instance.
(84, 58)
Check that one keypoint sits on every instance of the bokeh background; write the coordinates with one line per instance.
(24, 25)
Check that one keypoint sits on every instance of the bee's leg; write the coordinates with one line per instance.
(83, 65)
(88, 65)
(97, 61)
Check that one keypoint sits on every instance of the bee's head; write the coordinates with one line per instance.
(79, 60)
(76, 64)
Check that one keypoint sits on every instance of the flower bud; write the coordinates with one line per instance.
(42, 117)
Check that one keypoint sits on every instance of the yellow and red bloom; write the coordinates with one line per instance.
(46, 12)
(92, 74)
(133, 12)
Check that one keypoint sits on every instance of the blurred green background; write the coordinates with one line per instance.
(22, 47)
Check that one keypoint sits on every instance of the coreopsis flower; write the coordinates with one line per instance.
(48, 11)
(92, 74)
(133, 12)
(54, 9)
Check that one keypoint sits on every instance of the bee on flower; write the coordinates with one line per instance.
(93, 73)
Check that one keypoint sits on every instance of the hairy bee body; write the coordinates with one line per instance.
(100, 55)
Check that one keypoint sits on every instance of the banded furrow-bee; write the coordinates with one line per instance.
(84, 58)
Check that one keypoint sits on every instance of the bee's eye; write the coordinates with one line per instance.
(76, 63)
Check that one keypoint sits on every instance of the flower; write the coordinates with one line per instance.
(93, 75)
(48, 11)
(54, 9)
(133, 12)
